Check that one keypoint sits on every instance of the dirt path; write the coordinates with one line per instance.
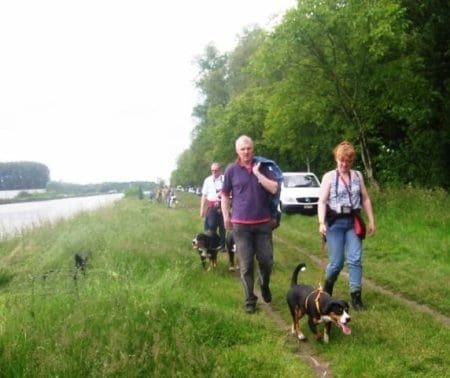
(417, 306)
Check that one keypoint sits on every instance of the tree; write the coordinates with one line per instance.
(342, 59)
(374, 72)
(23, 175)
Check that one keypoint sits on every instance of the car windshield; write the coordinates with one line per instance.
(300, 181)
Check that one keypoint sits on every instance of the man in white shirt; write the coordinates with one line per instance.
(210, 208)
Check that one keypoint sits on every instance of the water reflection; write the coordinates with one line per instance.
(15, 217)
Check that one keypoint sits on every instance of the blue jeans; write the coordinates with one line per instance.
(253, 241)
(343, 243)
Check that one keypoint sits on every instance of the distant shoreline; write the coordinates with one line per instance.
(45, 197)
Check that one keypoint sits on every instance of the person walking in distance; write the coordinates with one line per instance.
(210, 207)
(250, 185)
(343, 193)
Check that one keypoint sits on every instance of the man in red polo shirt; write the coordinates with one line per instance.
(251, 186)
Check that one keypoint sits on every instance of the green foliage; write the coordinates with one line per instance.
(5, 277)
(134, 192)
(105, 187)
(23, 175)
(365, 70)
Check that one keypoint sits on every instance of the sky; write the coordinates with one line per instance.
(103, 90)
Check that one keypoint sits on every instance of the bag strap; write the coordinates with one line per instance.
(348, 187)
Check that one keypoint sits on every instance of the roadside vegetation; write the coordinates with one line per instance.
(144, 307)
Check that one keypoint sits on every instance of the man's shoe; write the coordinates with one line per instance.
(266, 294)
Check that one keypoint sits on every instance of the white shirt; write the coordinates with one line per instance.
(212, 187)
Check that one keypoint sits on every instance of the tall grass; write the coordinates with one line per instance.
(145, 308)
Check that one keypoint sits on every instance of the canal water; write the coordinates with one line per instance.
(16, 217)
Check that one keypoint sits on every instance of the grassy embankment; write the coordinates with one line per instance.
(145, 308)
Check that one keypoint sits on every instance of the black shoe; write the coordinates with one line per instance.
(328, 287)
(357, 301)
(250, 308)
(266, 294)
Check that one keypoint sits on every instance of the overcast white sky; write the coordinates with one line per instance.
(102, 90)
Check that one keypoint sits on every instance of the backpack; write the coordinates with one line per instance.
(274, 198)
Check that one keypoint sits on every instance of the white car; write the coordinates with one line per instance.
(300, 192)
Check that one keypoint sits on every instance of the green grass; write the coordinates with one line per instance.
(145, 308)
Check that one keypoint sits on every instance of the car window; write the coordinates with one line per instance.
(301, 181)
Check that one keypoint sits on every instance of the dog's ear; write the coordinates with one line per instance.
(345, 305)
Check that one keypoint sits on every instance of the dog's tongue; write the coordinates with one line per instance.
(347, 331)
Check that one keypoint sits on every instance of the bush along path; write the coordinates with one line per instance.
(372, 285)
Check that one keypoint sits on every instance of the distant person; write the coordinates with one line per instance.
(343, 193)
(167, 194)
(252, 186)
(159, 195)
(210, 207)
(173, 198)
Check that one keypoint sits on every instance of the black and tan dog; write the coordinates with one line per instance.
(318, 305)
(208, 245)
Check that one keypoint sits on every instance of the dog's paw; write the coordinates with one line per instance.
(301, 336)
(326, 338)
(298, 335)
(293, 331)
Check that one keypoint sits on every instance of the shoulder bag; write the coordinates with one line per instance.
(358, 222)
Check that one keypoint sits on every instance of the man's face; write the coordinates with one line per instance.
(215, 170)
(244, 151)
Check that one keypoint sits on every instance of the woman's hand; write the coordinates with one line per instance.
(323, 229)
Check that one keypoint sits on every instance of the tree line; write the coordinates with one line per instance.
(23, 175)
(375, 72)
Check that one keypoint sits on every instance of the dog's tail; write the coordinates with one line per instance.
(300, 267)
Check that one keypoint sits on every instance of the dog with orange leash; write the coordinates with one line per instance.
(318, 305)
